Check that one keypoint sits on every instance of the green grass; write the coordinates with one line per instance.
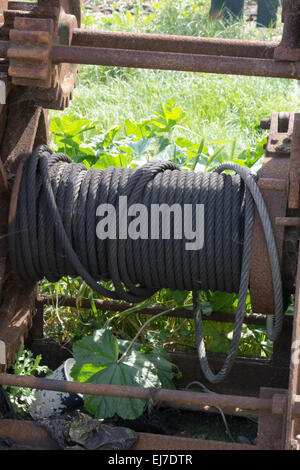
(217, 107)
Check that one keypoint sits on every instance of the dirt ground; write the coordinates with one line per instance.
(197, 425)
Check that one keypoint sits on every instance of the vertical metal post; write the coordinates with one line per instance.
(282, 347)
(292, 440)
(37, 328)
(271, 426)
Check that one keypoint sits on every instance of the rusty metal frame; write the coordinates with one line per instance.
(117, 306)
(274, 185)
(271, 404)
(4, 204)
(26, 126)
(23, 35)
(44, 44)
(288, 49)
(292, 440)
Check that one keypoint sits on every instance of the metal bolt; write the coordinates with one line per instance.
(265, 124)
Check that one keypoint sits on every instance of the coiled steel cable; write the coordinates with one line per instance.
(53, 233)
(274, 330)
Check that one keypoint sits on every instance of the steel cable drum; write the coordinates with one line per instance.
(54, 231)
(37, 251)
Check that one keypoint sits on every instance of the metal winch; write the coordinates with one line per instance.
(41, 44)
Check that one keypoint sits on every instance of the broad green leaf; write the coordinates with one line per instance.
(139, 147)
(223, 302)
(136, 371)
(183, 142)
(106, 407)
(159, 358)
(216, 335)
(99, 359)
(101, 348)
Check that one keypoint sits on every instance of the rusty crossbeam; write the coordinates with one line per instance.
(165, 56)
(116, 306)
(160, 442)
(288, 221)
(175, 61)
(247, 377)
(29, 435)
(166, 43)
(176, 397)
(172, 43)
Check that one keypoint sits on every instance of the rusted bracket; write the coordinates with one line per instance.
(274, 184)
(26, 127)
(295, 166)
(289, 48)
(271, 404)
(4, 204)
(293, 420)
(271, 424)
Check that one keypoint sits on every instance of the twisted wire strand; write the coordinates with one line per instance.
(53, 234)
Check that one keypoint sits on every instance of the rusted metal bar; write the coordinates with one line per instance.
(273, 184)
(31, 436)
(175, 61)
(4, 204)
(292, 440)
(172, 43)
(275, 194)
(288, 48)
(159, 442)
(288, 221)
(115, 306)
(248, 375)
(221, 62)
(295, 166)
(161, 395)
(27, 434)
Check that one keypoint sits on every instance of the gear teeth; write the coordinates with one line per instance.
(31, 39)
(29, 52)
